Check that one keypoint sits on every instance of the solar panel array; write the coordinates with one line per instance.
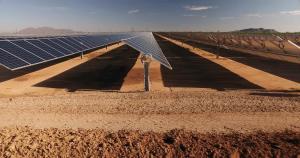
(20, 52)
(283, 44)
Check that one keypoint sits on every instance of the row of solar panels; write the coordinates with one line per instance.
(39, 37)
(23, 52)
(262, 43)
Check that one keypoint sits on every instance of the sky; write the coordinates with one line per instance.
(150, 15)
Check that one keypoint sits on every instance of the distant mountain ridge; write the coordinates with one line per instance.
(45, 31)
(257, 30)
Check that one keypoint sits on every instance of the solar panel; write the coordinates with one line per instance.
(75, 44)
(71, 46)
(69, 50)
(10, 61)
(89, 41)
(21, 52)
(101, 40)
(34, 50)
(46, 48)
(98, 40)
(147, 45)
(83, 42)
(55, 46)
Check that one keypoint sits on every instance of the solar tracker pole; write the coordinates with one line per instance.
(146, 60)
(146, 76)
(218, 42)
(218, 51)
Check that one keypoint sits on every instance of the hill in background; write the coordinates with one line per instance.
(45, 31)
(257, 30)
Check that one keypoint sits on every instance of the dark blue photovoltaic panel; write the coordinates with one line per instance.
(74, 46)
(88, 40)
(11, 61)
(46, 48)
(102, 40)
(36, 51)
(146, 44)
(55, 46)
(80, 44)
(66, 45)
(141, 47)
(85, 43)
(19, 52)
(69, 49)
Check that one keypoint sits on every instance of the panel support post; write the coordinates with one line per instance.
(146, 60)
(218, 48)
(81, 55)
(218, 51)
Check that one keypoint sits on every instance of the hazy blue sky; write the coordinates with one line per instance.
(156, 15)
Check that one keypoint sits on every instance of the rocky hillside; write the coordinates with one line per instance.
(45, 31)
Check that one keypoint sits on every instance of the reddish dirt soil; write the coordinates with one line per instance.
(26, 142)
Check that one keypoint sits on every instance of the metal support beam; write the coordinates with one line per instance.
(81, 55)
(146, 77)
(218, 51)
(146, 60)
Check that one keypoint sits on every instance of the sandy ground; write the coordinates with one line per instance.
(202, 112)
(94, 106)
(134, 80)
